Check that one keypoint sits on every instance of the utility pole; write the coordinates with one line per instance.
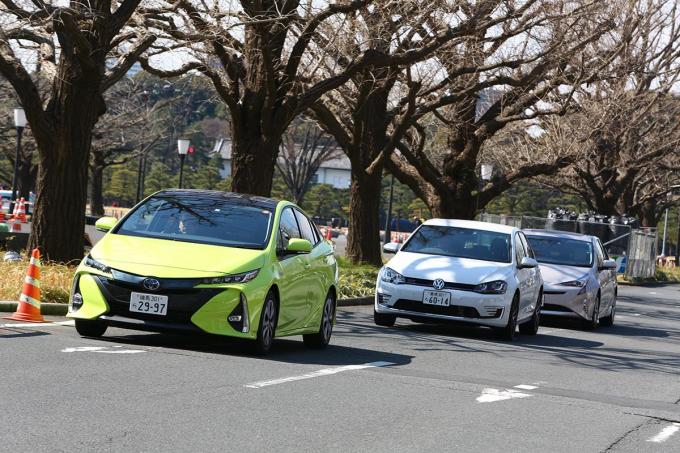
(665, 231)
(388, 221)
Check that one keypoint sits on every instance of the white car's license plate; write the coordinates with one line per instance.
(154, 304)
(441, 298)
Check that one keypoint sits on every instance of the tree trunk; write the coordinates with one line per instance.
(59, 214)
(96, 189)
(253, 160)
(363, 244)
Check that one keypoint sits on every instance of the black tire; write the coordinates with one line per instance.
(267, 328)
(384, 320)
(509, 332)
(89, 328)
(531, 327)
(609, 320)
(320, 339)
(594, 321)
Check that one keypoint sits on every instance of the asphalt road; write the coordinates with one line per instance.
(423, 388)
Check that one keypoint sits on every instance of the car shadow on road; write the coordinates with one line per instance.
(289, 350)
(559, 348)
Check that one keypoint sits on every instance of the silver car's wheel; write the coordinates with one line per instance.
(609, 320)
(321, 338)
(267, 328)
(594, 320)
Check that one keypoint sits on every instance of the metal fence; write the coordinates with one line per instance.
(633, 249)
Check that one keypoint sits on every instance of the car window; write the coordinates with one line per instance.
(527, 247)
(601, 254)
(519, 249)
(305, 227)
(202, 220)
(460, 242)
(561, 250)
(288, 228)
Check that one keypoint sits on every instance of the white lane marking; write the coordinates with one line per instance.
(40, 324)
(314, 374)
(83, 349)
(665, 433)
(526, 387)
(103, 350)
(492, 395)
(652, 292)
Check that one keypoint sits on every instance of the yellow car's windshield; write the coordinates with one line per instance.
(203, 220)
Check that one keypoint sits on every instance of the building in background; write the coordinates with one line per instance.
(336, 172)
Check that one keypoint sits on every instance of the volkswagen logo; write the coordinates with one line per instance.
(438, 284)
(151, 284)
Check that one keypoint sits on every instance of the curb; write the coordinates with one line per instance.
(45, 308)
(353, 302)
(61, 309)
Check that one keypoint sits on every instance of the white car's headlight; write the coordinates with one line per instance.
(389, 275)
(494, 287)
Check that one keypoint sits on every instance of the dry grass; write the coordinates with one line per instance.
(55, 281)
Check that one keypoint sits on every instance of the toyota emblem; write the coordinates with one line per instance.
(151, 284)
(438, 284)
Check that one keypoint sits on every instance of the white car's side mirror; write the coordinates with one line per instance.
(528, 262)
(391, 247)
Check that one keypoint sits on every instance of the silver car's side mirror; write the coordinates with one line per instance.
(528, 262)
(608, 265)
(391, 247)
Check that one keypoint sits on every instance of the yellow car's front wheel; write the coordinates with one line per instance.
(267, 327)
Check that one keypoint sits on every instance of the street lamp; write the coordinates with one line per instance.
(183, 149)
(20, 124)
(388, 220)
(485, 173)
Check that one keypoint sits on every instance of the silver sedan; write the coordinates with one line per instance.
(580, 279)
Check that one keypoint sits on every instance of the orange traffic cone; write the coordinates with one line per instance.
(16, 226)
(329, 235)
(29, 301)
(21, 212)
(15, 211)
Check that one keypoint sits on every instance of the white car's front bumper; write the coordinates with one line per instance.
(406, 301)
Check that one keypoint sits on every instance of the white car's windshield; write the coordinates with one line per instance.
(204, 220)
(461, 243)
(563, 251)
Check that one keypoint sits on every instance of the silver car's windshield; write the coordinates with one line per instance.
(460, 242)
(556, 250)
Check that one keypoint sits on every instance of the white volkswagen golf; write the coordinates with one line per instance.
(459, 270)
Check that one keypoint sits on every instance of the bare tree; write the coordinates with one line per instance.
(626, 127)
(264, 59)
(73, 54)
(128, 130)
(465, 49)
(526, 68)
(304, 149)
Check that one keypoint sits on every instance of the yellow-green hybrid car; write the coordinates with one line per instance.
(209, 262)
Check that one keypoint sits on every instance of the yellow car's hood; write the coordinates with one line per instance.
(173, 259)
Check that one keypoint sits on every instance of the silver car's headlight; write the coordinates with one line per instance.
(580, 283)
(245, 277)
(389, 275)
(494, 287)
